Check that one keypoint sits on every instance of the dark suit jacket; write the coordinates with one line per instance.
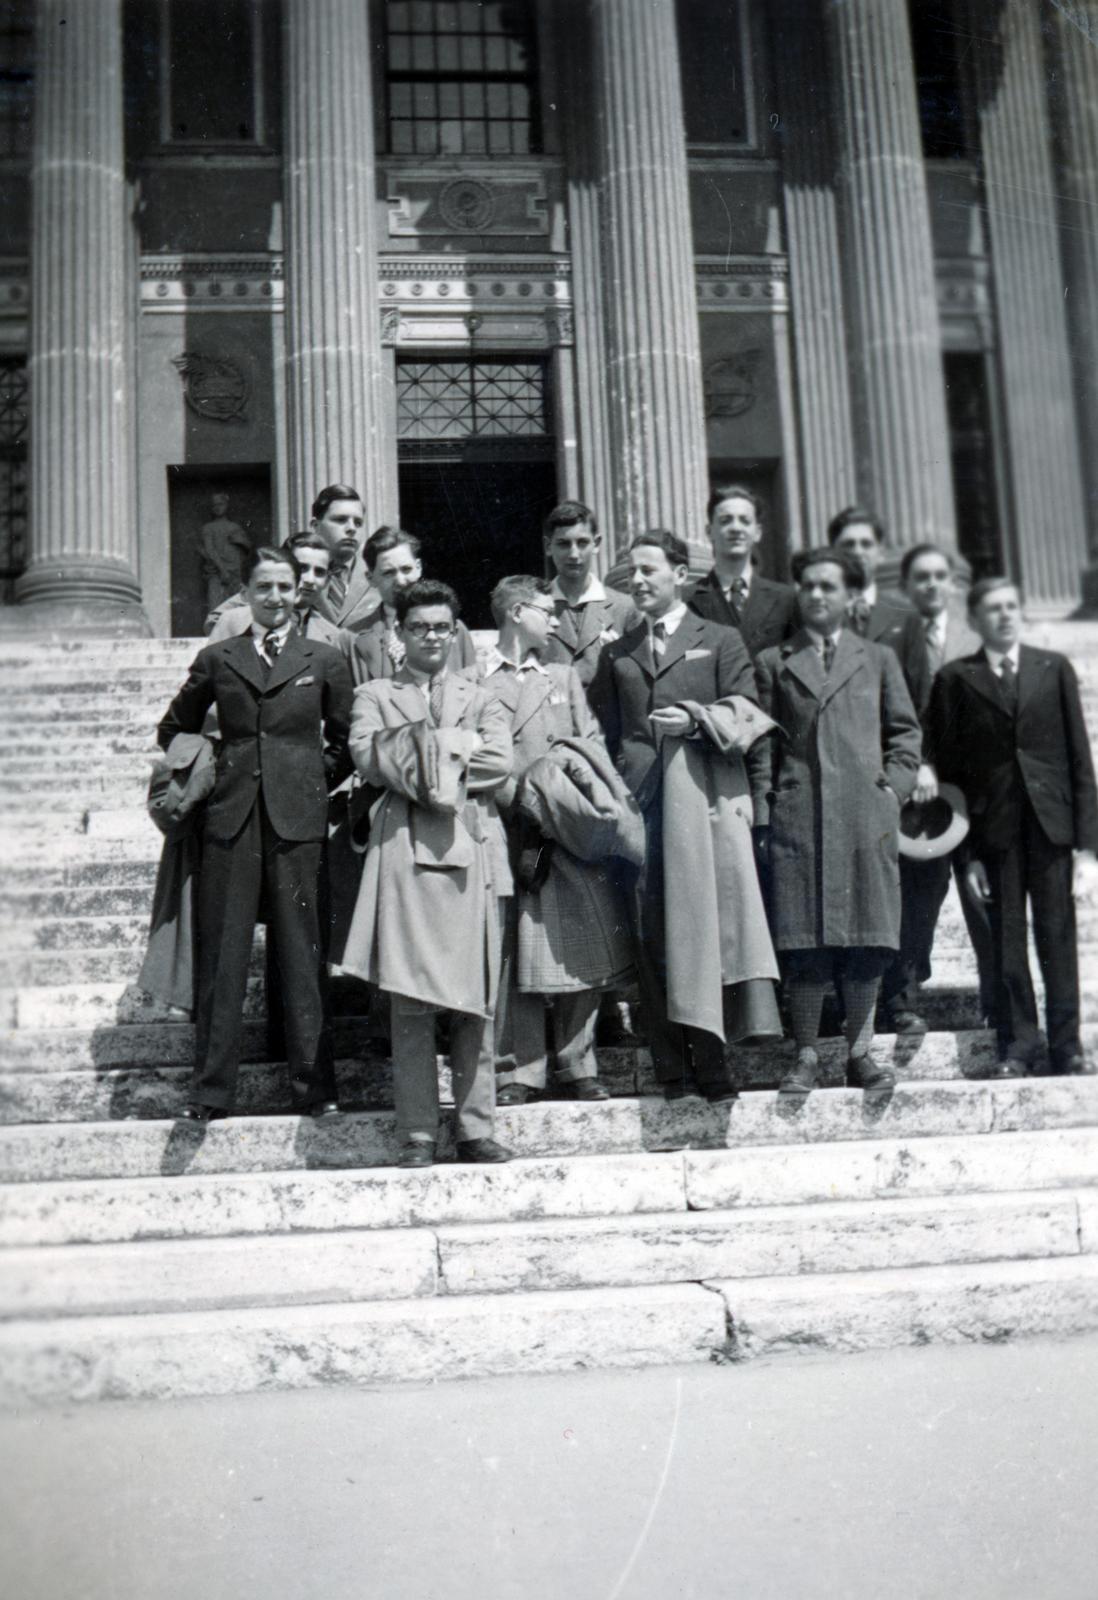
(998, 760)
(581, 636)
(704, 662)
(888, 616)
(370, 659)
(283, 732)
(769, 616)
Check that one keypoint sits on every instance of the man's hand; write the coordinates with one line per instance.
(978, 882)
(673, 720)
(926, 784)
(1086, 877)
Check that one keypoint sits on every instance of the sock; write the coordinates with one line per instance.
(860, 1000)
(805, 1004)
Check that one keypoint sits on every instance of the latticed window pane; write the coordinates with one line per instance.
(465, 399)
(16, 76)
(13, 466)
(441, 56)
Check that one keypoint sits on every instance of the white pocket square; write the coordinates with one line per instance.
(696, 655)
(302, 683)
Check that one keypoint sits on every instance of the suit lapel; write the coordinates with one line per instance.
(241, 655)
(406, 697)
(688, 630)
(641, 651)
(457, 691)
(590, 624)
(534, 689)
(849, 656)
(1031, 673)
(293, 658)
(760, 603)
(802, 660)
(979, 674)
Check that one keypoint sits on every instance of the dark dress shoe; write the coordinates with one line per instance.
(801, 1077)
(866, 1072)
(193, 1112)
(584, 1089)
(417, 1153)
(1071, 1066)
(678, 1090)
(482, 1151)
(721, 1094)
(323, 1108)
(515, 1094)
(1010, 1068)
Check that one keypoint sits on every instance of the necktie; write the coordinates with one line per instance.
(434, 699)
(828, 656)
(394, 646)
(272, 646)
(337, 588)
(737, 595)
(1009, 681)
(934, 649)
(659, 639)
(859, 617)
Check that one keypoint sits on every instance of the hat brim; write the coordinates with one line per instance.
(920, 846)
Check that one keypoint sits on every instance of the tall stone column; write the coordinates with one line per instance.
(339, 427)
(82, 569)
(1074, 57)
(824, 415)
(895, 356)
(653, 357)
(1028, 277)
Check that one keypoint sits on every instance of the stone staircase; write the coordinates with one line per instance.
(141, 1256)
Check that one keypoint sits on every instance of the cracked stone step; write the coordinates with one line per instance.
(986, 1303)
(532, 1257)
(219, 1205)
(210, 1352)
(59, 1151)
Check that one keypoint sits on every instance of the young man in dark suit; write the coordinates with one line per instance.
(393, 564)
(877, 614)
(733, 592)
(590, 615)
(284, 710)
(647, 689)
(1006, 725)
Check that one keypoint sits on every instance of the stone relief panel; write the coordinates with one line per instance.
(490, 205)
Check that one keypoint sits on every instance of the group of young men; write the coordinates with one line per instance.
(696, 786)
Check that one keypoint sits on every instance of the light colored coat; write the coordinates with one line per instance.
(425, 923)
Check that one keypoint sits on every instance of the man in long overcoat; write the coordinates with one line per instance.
(424, 929)
(844, 765)
(570, 921)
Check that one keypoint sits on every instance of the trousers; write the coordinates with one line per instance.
(415, 1072)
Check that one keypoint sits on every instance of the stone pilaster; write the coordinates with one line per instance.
(1074, 59)
(824, 416)
(653, 358)
(1028, 277)
(82, 569)
(891, 297)
(339, 427)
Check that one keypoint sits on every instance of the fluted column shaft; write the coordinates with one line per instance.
(825, 420)
(896, 360)
(657, 418)
(1020, 190)
(1074, 55)
(339, 427)
(83, 550)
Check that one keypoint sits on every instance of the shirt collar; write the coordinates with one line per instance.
(261, 634)
(423, 678)
(869, 595)
(592, 590)
(744, 578)
(995, 658)
(495, 661)
(820, 639)
(670, 619)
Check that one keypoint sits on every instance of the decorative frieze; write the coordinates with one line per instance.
(483, 201)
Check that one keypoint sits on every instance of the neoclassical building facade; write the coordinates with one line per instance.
(475, 257)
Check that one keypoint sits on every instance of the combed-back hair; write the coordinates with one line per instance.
(732, 491)
(334, 491)
(307, 539)
(511, 591)
(909, 558)
(267, 552)
(674, 548)
(569, 514)
(984, 586)
(848, 516)
(849, 566)
(387, 538)
(426, 592)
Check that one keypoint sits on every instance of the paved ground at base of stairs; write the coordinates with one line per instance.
(916, 1474)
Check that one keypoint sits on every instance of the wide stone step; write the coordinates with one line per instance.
(533, 1257)
(217, 1352)
(99, 743)
(222, 1205)
(93, 900)
(81, 794)
(33, 1153)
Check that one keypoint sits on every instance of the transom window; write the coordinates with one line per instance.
(464, 399)
(462, 77)
(14, 409)
(16, 76)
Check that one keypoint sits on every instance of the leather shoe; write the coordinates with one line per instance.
(417, 1153)
(720, 1094)
(801, 1077)
(1010, 1068)
(323, 1108)
(678, 1090)
(514, 1094)
(193, 1112)
(866, 1072)
(1071, 1066)
(584, 1089)
(482, 1151)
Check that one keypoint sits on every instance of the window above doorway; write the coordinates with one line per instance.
(461, 77)
(466, 399)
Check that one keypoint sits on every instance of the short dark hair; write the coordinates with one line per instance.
(569, 514)
(426, 592)
(308, 539)
(675, 549)
(387, 538)
(984, 586)
(334, 491)
(511, 591)
(283, 557)
(848, 516)
(910, 557)
(731, 491)
(853, 576)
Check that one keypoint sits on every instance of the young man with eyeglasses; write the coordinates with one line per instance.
(435, 747)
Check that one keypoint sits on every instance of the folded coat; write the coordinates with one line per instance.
(181, 782)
